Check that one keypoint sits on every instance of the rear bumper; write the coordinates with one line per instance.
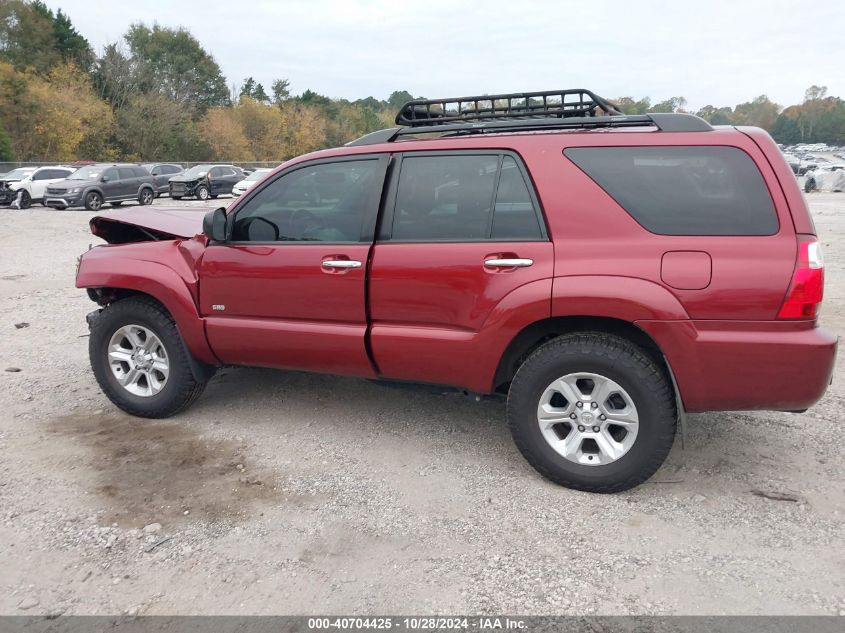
(744, 365)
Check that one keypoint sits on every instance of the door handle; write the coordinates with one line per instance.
(508, 263)
(341, 263)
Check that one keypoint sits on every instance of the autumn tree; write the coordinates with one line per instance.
(253, 90)
(52, 117)
(672, 104)
(281, 90)
(716, 116)
(629, 105)
(173, 63)
(26, 36)
(760, 112)
(221, 129)
(6, 153)
(148, 125)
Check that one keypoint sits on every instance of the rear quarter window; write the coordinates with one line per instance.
(683, 190)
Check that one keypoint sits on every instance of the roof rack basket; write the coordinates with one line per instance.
(522, 112)
(577, 102)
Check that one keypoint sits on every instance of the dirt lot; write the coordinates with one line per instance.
(291, 493)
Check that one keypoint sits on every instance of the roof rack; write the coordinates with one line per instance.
(522, 112)
(577, 102)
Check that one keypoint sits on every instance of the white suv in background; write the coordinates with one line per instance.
(32, 187)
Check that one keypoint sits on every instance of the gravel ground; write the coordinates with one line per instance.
(282, 492)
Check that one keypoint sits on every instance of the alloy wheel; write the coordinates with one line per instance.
(588, 419)
(138, 360)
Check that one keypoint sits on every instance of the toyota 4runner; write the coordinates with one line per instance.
(608, 273)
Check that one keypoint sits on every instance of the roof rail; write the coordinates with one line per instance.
(577, 102)
(523, 112)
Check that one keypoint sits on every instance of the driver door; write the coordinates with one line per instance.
(287, 289)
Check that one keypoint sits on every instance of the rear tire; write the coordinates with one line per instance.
(641, 386)
(169, 388)
(146, 197)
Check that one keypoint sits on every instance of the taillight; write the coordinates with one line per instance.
(807, 286)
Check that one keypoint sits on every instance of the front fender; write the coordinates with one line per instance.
(103, 267)
(625, 298)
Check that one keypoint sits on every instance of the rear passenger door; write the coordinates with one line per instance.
(129, 182)
(461, 231)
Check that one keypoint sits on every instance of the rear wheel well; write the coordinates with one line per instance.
(534, 335)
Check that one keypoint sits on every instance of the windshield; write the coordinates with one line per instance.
(258, 174)
(90, 172)
(18, 174)
(197, 171)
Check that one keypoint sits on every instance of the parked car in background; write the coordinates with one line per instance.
(31, 188)
(205, 181)
(249, 181)
(828, 177)
(16, 175)
(162, 173)
(93, 185)
(608, 283)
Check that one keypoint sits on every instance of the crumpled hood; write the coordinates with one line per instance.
(142, 224)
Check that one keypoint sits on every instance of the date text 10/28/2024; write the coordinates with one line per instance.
(416, 623)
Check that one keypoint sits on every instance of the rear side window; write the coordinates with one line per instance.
(683, 190)
(126, 173)
(463, 198)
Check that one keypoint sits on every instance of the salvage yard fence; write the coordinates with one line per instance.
(8, 166)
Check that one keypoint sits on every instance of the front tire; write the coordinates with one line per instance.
(140, 361)
(26, 200)
(593, 412)
(202, 192)
(93, 201)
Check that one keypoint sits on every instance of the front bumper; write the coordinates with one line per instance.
(64, 201)
(182, 189)
(746, 365)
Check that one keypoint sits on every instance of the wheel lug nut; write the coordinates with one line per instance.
(579, 404)
(602, 417)
(581, 428)
(572, 416)
(595, 429)
(594, 405)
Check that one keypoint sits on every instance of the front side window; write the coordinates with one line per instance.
(683, 190)
(44, 174)
(111, 174)
(463, 197)
(318, 203)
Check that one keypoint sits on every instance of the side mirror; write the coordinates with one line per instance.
(214, 225)
(104, 179)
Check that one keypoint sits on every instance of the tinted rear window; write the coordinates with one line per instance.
(683, 190)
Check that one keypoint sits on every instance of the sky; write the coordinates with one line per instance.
(710, 51)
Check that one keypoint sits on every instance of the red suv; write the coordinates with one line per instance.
(607, 272)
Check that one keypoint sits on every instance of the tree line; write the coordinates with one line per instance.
(157, 94)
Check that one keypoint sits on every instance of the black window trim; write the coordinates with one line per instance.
(697, 145)
(368, 222)
(387, 215)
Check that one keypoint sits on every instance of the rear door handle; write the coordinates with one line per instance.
(508, 263)
(341, 263)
